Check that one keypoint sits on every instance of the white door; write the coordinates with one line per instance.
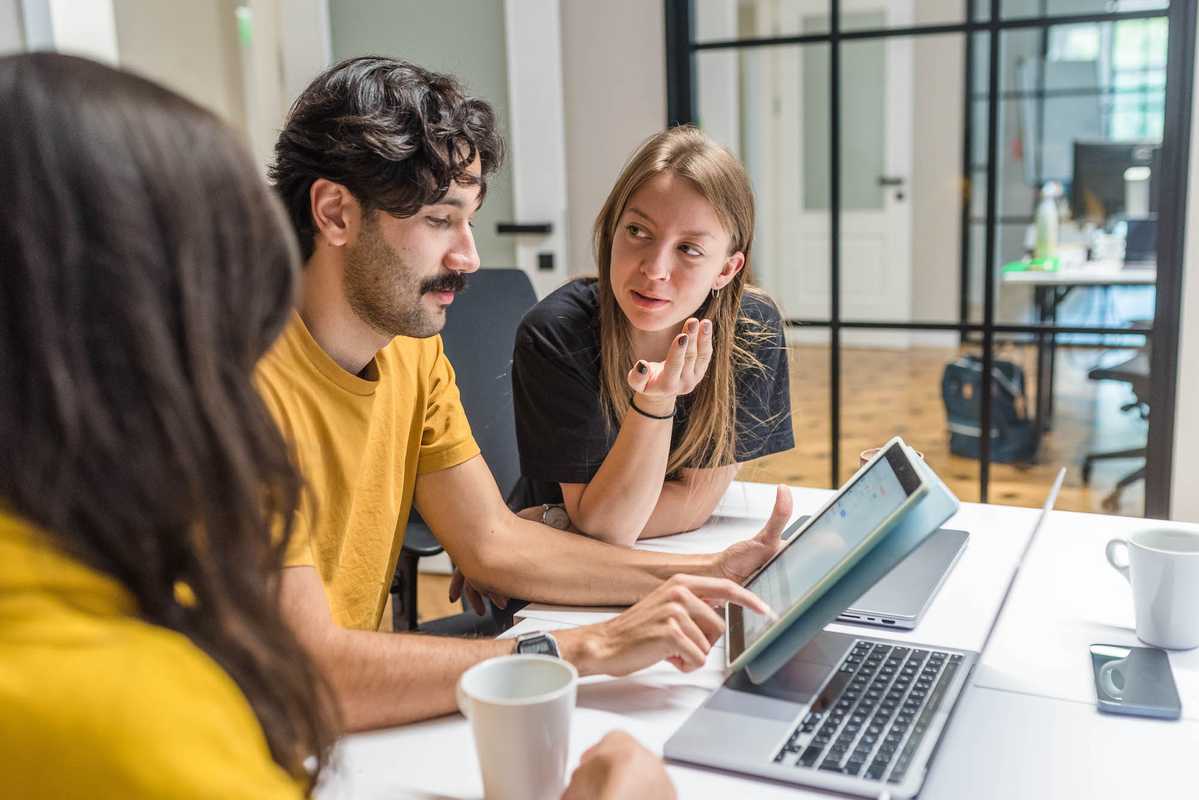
(876, 164)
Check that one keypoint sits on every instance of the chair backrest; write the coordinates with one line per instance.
(1133, 371)
(479, 335)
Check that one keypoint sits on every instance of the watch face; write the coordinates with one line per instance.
(538, 644)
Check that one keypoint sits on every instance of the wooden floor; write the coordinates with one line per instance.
(898, 392)
(432, 600)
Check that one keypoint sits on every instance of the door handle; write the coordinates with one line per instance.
(890, 180)
(524, 228)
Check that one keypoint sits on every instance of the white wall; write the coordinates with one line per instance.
(1185, 504)
(188, 47)
(246, 72)
(12, 36)
(84, 28)
(462, 37)
(306, 45)
(614, 85)
(80, 27)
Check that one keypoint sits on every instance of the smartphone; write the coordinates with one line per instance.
(1134, 680)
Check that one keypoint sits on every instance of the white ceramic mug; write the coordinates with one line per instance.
(1162, 565)
(519, 708)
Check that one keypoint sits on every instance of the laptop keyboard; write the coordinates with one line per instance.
(871, 717)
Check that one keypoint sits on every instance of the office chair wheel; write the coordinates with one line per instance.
(1111, 503)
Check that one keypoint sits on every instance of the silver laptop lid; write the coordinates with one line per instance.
(1007, 592)
(900, 599)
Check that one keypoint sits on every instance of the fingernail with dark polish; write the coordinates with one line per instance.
(683, 340)
(641, 367)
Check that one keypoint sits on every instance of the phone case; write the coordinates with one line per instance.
(1134, 680)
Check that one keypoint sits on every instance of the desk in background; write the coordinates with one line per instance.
(1026, 727)
(1049, 290)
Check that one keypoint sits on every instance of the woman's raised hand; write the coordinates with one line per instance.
(685, 364)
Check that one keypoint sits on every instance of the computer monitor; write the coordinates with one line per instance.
(1097, 186)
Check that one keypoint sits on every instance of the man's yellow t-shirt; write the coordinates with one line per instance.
(359, 444)
(96, 703)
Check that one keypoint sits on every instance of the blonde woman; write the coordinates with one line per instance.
(638, 393)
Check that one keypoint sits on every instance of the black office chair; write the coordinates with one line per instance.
(1135, 372)
(479, 335)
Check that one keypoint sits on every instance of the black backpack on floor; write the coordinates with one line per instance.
(1014, 437)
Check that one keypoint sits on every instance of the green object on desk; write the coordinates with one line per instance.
(1050, 264)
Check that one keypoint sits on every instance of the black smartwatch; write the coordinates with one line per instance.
(538, 642)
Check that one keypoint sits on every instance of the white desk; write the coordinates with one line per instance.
(1027, 727)
(1092, 273)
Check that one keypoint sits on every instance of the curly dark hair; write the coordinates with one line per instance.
(391, 132)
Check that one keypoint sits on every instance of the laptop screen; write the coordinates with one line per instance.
(874, 496)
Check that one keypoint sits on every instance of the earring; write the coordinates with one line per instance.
(715, 291)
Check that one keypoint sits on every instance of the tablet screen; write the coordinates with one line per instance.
(860, 509)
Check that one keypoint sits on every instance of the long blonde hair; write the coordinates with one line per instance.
(709, 438)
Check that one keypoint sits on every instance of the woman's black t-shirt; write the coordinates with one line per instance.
(560, 427)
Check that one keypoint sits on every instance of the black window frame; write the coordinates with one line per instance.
(1163, 335)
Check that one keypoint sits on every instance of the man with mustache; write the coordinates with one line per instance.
(382, 166)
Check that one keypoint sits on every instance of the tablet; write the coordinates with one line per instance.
(824, 548)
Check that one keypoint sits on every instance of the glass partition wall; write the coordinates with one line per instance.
(970, 215)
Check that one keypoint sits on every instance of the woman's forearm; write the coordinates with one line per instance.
(686, 504)
(618, 502)
(682, 505)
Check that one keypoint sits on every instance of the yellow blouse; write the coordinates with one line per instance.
(96, 703)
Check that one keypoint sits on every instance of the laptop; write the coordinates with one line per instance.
(900, 599)
(853, 714)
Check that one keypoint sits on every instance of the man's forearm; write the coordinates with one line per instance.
(383, 679)
(525, 559)
(375, 677)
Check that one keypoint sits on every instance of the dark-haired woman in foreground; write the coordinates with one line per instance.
(145, 493)
(146, 268)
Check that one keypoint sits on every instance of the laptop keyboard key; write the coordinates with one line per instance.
(810, 756)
